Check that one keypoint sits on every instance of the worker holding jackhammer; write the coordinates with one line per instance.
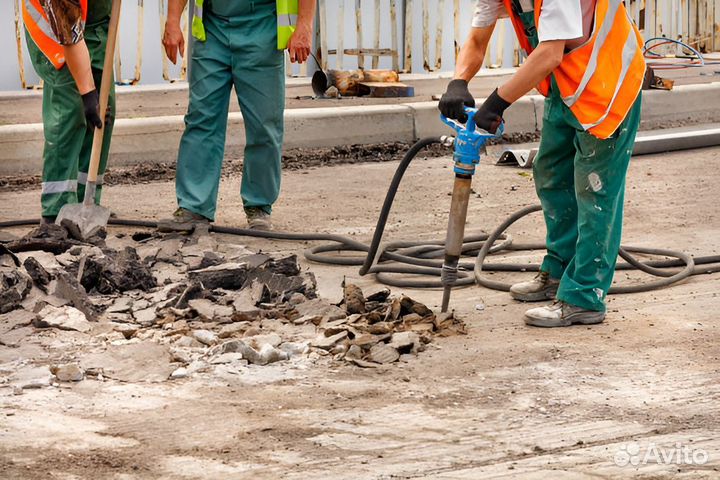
(237, 43)
(585, 57)
(66, 42)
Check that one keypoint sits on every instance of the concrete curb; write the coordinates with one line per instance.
(156, 139)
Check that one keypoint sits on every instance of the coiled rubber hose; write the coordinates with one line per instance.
(397, 261)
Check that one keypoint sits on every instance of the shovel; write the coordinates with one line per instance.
(83, 220)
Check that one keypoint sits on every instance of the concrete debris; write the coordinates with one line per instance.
(383, 353)
(64, 318)
(178, 373)
(169, 307)
(121, 305)
(207, 310)
(14, 287)
(69, 372)
(37, 272)
(206, 337)
(230, 276)
(115, 272)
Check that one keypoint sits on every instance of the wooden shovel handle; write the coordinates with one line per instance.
(105, 84)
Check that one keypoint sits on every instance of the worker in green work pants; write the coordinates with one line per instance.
(68, 120)
(591, 116)
(236, 44)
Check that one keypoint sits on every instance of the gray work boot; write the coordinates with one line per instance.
(561, 314)
(542, 287)
(258, 219)
(182, 221)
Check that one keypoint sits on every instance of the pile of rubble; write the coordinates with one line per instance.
(192, 302)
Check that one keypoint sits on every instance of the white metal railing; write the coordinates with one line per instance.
(405, 35)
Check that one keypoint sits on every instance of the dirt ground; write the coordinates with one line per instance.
(504, 401)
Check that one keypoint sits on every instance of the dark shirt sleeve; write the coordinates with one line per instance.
(66, 20)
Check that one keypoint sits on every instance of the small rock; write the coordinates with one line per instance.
(70, 372)
(326, 343)
(297, 298)
(382, 353)
(208, 310)
(178, 373)
(64, 318)
(294, 348)
(229, 357)
(319, 307)
(259, 341)
(180, 356)
(145, 317)
(270, 354)
(405, 342)
(121, 305)
(205, 337)
(354, 352)
(127, 329)
(233, 329)
(308, 320)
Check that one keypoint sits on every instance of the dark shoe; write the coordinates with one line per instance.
(561, 314)
(182, 221)
(45, 220)
(542, 287)
(258, 219)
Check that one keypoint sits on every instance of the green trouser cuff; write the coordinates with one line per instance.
(581, 296)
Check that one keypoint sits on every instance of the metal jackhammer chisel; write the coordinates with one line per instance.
(468, 142)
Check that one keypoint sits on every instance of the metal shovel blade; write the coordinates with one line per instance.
(82, 221)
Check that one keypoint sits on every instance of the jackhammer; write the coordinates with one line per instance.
(467, 143)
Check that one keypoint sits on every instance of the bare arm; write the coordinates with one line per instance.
(300, 43)
(173, 39)
(539, 64)
(472, 53)
(77, 58)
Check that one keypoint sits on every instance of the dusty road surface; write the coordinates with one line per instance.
(637, 396)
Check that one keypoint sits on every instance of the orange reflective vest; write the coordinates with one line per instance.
(600, 80)
(38, 26)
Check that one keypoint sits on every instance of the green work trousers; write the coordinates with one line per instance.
(580, 180)
(240, 51)
(68, 140)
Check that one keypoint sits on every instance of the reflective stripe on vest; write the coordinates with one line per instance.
(41, 33)
(198, 29)
(287, 12)
(600, 80)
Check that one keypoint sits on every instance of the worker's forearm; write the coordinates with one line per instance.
(175, 10)
(539, 64)
(472, 53)
(77, 58)
(306, 14)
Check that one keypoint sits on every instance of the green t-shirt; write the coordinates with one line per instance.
(232, 8)
(98, 11)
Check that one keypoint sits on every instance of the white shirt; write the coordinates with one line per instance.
(570, 20)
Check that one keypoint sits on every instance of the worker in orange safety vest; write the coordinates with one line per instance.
(585, 57)
(66, 42)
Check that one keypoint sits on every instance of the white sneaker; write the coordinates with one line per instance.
(542, 287)
(561, 314)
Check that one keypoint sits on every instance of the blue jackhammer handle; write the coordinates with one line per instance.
(470, 124)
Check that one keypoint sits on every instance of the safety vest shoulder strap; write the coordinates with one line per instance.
(287, 12)
(521, 30)
(38, 26)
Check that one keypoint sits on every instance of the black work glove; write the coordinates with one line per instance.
(91, 104)
(455, 98)
(489, 115)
